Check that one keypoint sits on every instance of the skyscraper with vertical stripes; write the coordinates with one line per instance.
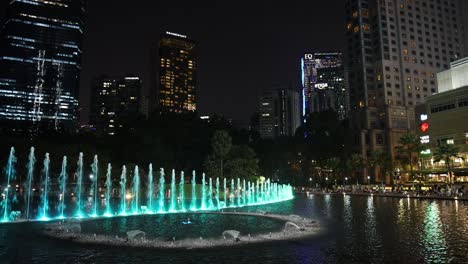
(40, 63)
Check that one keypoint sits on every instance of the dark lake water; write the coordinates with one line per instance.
(169, 226)
(356, 230)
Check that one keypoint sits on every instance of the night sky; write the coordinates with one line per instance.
(244, 46)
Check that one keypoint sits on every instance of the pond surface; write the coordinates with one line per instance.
(358, 229)
(169, 226)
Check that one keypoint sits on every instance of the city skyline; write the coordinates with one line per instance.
(282, 37)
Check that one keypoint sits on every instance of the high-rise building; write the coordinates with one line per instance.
(40, 63)
(115, 103)
(395, 49)
(279, 112)
(324, 84)
(177, 78)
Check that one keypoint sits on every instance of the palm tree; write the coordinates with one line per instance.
(383, 161)
(356, 163)
(410, 147)
(447, 152)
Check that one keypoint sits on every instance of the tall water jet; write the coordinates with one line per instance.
(225, 193)
(28, 184)
(45, 189)
(149, 192)
(95, 187)
(238, 192)
(172, 207)
(193, 202)
(217, 193)
(161, 192)
(63, 186)
(123, 191)
(10, 176)
(244, 193)
(108, 190)
(210, 196)
(79, 183)
(203, 201)
(136, 192)
(232, 193)
(182, 192)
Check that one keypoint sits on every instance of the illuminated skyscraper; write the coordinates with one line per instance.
(177, 74)
(395, 49)
(324, 85)
(40, 63)
(115, 104)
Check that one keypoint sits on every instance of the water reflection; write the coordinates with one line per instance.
(433, 238)
(360, 230)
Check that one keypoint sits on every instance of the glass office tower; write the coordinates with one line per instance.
(40, 63)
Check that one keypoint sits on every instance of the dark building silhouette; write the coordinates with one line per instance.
(115, 104)
(279, 112)
(40, 63)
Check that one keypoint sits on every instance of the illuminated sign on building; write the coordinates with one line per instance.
(426, 152)
(175, 34)
(321, 85)
(308, 56)
(424, 126)
(425, 139)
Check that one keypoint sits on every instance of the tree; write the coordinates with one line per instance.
(410, 147)
(242, 163)
(383, 161)
(355, 163)
(447, 152)
(221, 144)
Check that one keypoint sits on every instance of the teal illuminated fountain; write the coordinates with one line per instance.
(94, 187)
(193, 202)
(210, 196)
(108, 190)
(218, 205)
(161, 192)
(136, 192)
(45, 190)
(232, 193)
(123, 191)
(172, 207)
(149, 193)
(63, 187)
(203, 198)
(182, 192)
(225, 193)
(55, 191)
(10, 175)
(29, 180)
(79, 183)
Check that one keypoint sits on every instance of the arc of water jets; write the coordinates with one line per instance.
(244, 193)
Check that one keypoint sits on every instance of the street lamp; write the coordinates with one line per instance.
(346, 180)
(368, 180)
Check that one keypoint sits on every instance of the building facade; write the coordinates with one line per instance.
(324, 84)
(443, 119)
(115, 104)
(280, 113)
(177, 74)
(395, 48)
(40, 63)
